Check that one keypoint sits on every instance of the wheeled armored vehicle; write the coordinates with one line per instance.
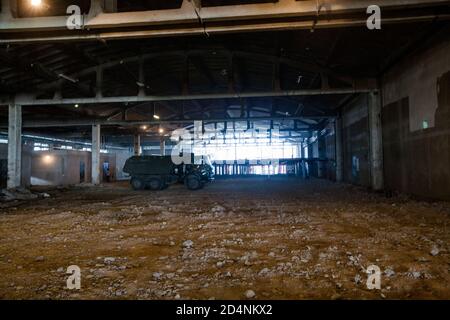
(158, 172)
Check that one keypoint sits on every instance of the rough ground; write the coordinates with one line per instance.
(280, 238)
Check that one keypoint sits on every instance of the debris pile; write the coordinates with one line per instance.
(20, 194)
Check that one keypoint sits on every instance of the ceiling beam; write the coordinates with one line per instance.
(30, 100)
(90, 122)
(208, 15)
(200, 31)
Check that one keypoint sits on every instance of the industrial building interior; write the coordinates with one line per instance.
(329, 143)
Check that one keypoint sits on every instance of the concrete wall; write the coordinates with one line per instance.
(355, 146)
(415, 123)
(313, 152)
(416, 78)
(416, 94)
(330, 152)
(59, 167)
(322, 152)
(62, 167)
(27, 151)
(323, 148)
(26, 165)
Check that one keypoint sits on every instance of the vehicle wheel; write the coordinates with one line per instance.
(155, 184)
(193, 182)
(137, 184)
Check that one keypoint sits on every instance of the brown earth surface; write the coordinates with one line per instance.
(280, 238)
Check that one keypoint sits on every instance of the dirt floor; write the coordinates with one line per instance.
(280, 238)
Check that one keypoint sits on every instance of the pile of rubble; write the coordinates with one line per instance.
(20, 194)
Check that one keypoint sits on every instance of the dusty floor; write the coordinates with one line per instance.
(281, 238)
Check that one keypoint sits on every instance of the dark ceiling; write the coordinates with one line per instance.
(266, 61)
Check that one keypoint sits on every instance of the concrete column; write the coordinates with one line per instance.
(162, 147)
(339, 151)
(14, 146)
(96, 154)
(322, 153)
(302, 164)
(137, 144)
(376, 141)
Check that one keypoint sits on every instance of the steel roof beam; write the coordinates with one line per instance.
(185, 21)
(30, 100)
(98, 19)
(90, 122)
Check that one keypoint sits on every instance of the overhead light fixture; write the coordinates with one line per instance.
(76, 106)
(161, 130)
(156, 116)
(36, 3)
(144, 127)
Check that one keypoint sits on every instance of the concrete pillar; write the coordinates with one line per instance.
(302, 164)
(137, 144)
(339, 150)
(162, 147)
(95, 154)
(376, 141)
(14, 146)
(315, 149)
(322, 153)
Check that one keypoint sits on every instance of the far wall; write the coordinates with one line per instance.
(60, 167)
(415, 125)
(417, 96)
(26, 165)
(355, 133)
(67, 167)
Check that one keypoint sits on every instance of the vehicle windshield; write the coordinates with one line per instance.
(207, 160)
(202, 160)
